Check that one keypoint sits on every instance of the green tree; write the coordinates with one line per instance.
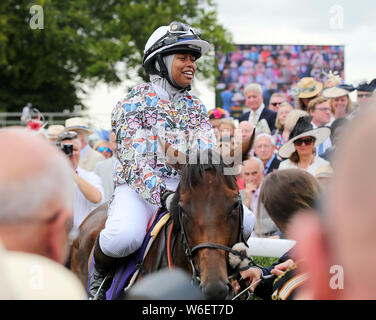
(83, 41)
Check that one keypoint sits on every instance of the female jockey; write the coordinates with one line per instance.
(163, 107)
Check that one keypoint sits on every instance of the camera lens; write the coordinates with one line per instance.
(67, 149)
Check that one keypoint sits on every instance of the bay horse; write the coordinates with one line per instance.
(206, 220)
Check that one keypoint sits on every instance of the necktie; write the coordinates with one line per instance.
(253, 118)
(321, 149)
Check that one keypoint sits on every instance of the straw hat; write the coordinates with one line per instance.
(337, 91)
(26, 276)
(309, 87)
(54, 131)
(77, 124)
(323, 172)
(303, 128)
(293, 117)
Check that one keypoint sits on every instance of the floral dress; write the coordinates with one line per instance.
(138, 120)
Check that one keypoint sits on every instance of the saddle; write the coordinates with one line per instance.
(127, 269)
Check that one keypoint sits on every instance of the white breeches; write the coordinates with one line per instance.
(128, 217)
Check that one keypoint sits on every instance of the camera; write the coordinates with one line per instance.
(67, 149)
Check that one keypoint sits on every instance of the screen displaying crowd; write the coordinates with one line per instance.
(277, 68)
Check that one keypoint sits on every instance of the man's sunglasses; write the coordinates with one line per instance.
(307, 141)
(274, 104)
(101, 149)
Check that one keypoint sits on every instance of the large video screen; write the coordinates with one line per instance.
(277, 68)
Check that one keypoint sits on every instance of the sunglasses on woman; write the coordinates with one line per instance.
(101, 149)
(307, 141)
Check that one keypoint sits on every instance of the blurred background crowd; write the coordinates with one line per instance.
(278, 68)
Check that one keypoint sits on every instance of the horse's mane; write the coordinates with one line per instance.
(193, 173)
(205, 160)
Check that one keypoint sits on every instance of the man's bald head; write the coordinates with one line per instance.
(244, 130)
(32, 173)
(26, 153)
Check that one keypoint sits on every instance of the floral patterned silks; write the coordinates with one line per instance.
(138, 119)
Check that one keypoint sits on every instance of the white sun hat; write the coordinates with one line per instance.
(303, 128)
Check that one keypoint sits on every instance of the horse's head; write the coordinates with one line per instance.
(208, 214)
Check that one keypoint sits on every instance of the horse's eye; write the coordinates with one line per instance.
(235, 208)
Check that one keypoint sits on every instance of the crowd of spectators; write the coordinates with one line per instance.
(277, 68)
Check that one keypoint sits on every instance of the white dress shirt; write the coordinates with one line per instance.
(81, 206)
(312, 168)
(258, 114)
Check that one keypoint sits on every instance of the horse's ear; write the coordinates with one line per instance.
(174, 158)
(247, 145)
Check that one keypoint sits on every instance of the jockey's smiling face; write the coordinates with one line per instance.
(183, 69)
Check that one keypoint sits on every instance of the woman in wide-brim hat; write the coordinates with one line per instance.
(339, 100)
(300, 149)
(308, 88)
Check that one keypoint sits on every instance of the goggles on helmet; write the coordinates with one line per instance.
(177, 32)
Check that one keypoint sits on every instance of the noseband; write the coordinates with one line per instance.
(189, 252)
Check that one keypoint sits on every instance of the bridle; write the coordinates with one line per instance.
(189, 252)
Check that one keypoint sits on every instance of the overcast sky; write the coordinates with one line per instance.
(321, 22)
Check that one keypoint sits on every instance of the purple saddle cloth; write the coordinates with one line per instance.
(128, 265)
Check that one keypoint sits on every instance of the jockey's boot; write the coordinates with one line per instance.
(101, 267)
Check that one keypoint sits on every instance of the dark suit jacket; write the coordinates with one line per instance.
(265, 289)
(274, 165)
(267, 114)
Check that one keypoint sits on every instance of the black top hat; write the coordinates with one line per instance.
(367, 87)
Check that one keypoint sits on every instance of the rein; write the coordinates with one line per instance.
(189, 252)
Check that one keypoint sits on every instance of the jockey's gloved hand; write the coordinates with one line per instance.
(166, 199)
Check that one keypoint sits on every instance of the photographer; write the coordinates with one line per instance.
(88, 189)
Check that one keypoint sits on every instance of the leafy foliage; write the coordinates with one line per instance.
(83, 41)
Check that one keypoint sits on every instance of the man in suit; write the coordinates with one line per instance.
(320, 111)
(260, 116)
(264, 149)
(89, 157)
(253, 176)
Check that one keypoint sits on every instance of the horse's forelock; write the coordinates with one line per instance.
(193, 174)
(205, 160)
